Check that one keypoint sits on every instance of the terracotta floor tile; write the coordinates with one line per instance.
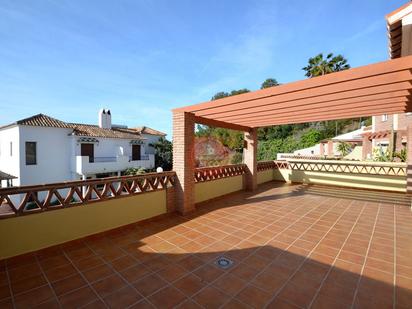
(88, 262)
(108, 285)
(27, 284)
(52, 262)
(98, 273)
(77, 298)
(188, 304)
(190, 263)
(149, 284)
(229, 284)
(135, 273)
(253, 296)
(167, 297)
(189, 285)
(211, 297)
(122, 298)
(156, 262)
(208, 273)
(279, 303)
(96, 304)
(59, 273)
(5, 291)
(257, 231)
(172, 272)
(351, 257)
(235, 304)
(68, 284)
(23, 272)
(33, 297)
(323, 302)
(49, 304)
(123, 263)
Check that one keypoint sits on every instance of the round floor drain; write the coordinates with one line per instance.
(224, 262)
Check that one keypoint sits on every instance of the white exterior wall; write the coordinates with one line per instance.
(110, 147)
(53, 155)
(150, 139)
(310, 151)
(10, 164)
(58, 155)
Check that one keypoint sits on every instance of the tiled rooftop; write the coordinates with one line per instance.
(291, 248)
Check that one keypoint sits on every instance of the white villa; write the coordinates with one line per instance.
(41, 149)
(330, 147)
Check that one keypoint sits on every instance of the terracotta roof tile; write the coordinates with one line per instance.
(41, 120)
(95, 131)
(147, 130)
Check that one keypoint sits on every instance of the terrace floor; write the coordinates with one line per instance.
(291, 247)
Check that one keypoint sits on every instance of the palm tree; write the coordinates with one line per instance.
(344, 148)
(318, 65)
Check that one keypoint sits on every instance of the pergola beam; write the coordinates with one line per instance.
(382, 73)
(221, 124)
(363, 95)
(324, 117)
(337, 106)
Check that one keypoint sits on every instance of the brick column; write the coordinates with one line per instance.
(366, 147)
(170, 199)
(250, 159)
(409, 159)
(184, 161)
(330, 148)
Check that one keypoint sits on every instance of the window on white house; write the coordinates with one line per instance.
(31, 153)
(385, 117)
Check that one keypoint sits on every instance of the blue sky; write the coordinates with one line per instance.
(141, 58)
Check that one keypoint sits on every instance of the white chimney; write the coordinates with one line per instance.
(108, 119)
(102, 118)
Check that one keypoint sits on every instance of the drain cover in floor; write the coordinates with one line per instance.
(224, 262)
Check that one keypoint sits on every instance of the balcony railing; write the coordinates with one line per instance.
(75, 193)
(352, 167)
(203, 174)
(142, 158)
(103, 159)
(271, 165)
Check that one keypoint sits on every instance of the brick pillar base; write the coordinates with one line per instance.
(170, 199)
(330, 148)
(321, 149)
(250, 159)
(366, 147)
(409, 159)
(184, 161)
(398, 141)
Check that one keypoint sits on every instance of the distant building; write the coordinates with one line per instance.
(399, 25)
(42, 149)
(329, 147)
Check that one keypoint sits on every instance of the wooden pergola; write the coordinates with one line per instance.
(372, 90)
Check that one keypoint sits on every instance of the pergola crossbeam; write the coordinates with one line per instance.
(364, 95)
(386, 85)
(317, 108)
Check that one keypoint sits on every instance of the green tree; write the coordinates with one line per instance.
(163, 154)
(229, 138)
(269, 82)
(344, 148)
(310, 138)
(318, 65)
